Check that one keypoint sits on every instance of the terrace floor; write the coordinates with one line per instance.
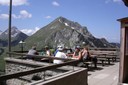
(104, 75)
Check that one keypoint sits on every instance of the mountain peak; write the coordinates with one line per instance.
(66, 32)
(60, 17)
(14, 30)
(16, 36)
(14, 33)
(14, 27)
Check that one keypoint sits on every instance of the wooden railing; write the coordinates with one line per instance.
(38, 69)
(24, 55)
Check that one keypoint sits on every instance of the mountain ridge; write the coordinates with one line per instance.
(59, 31)
(66, 32)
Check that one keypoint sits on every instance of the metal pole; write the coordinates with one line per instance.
(9, 28)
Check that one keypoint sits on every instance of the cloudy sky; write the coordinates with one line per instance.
(100, 16)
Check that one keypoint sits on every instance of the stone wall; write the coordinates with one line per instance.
(14, 68)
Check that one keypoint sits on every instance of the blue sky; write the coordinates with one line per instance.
(99, 16)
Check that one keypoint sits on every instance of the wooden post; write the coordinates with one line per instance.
(123, 72)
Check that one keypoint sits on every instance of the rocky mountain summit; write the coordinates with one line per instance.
(65, 32)
(16, 36)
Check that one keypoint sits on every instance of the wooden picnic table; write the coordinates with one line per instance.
(105, 56)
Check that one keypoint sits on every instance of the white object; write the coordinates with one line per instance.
(59, 55)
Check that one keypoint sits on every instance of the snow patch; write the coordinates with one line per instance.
(66, 24)
(53, 27)
(72, 27)
(6, 33)
(60, 21)
(14, 35)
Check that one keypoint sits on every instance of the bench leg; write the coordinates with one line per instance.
(114, 59)
(109, 61)
(87, 66)
(95, 64)
(102, 62)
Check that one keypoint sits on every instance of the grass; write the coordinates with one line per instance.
(2, 64)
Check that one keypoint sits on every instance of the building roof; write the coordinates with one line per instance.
(125, 2)
(125, 19)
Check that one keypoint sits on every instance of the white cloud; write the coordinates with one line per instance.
(23, 14)
(48, 17)
(30, 31)
(14, 16)
(54, 3)
(4, 16)
(14, 2)
(115, 1)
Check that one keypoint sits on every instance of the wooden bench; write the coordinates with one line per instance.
(106, 59)
(102, 60)
(88, 64)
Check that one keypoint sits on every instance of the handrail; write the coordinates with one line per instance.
(39, 69)
(38, 56)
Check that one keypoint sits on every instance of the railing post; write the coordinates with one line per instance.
(44, 75)
(73, 67)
